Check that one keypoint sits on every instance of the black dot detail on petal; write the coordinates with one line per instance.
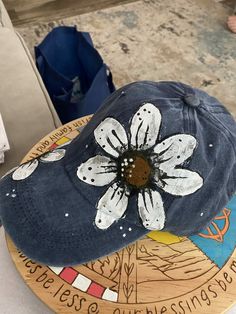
(140, 119)
(149, 111)
(163, 143)
(103, 146)
(92, 180)
(178, 157)
(180, 140)
(84, 178)
(101, 129)
(89, 168)
(99, 221)
(138, 114)
(144, 109)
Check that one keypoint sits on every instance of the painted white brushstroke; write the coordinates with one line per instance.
(25, 170)
(82, 282)
(111, 206)
(145, 126)
(111, 136)
(110, 295)
(98, 171)
(55, 155)
(151, 209)
(175, 150)
(182, 182)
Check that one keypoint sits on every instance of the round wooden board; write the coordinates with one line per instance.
(160, 273)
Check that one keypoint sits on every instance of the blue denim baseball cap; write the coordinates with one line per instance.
(155, 156)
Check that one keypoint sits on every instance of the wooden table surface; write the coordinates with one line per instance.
(160, 273)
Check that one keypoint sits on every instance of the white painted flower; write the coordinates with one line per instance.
(54, 155)
(137, 162)
(24, 171)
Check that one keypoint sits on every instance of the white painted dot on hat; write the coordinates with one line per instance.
(133, 166)
(124, 235)
(86, 146)
(131, 160)
(13, 195)
(7, 194)
(201, 214)
(121, 228)
(66, 214)
(13, 190)
(210, 145)
(130, 229)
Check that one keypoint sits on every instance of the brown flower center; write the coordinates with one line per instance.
(135, 170)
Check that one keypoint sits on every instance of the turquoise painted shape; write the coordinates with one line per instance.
(219, 252)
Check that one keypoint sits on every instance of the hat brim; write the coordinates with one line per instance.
(53, 223)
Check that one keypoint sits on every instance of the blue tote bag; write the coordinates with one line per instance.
(73, 72)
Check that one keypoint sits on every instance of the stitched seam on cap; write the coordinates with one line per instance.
(214, 119)
(45, 237)
(70, 240)
(18, 205)
(40, 237)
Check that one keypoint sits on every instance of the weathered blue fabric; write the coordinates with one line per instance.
(35, 218)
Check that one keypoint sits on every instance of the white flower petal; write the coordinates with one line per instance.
(175, 150)
(181, 182)
(111, 206)
(145, 126)
(151, 209)
(54, 155)
(25, 170)
(98, 171)
(111, 136)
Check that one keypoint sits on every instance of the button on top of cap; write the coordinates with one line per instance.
(192, 100)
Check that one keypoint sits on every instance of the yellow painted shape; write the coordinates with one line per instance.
(62, 141)
(164, 237)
